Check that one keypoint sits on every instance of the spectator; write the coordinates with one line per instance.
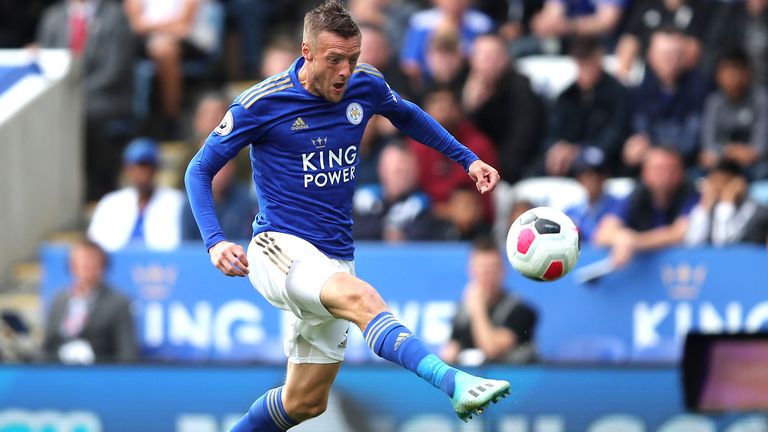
(447, 62)
(143, 213)
(98, 31)
(735, 123)
(376, 51)
(235, 209)
(461, 218)
(170, 34)
(391, 16)
(447, 13)
(591, 173)
(250, 19)
(668, 103)
(208, 114)
(561, 18)
(89, 322)
(438, 175)
(593, 115)
(492, 324)
(395, 210)
(501, 102)
(743, 27)
(725, 214)
(655, 214)
(687, 17)
(278, 56)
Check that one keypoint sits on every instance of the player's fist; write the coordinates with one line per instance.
(485, 176)
(229, 258)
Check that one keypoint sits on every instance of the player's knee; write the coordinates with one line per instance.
(360, 295)
(306, 407)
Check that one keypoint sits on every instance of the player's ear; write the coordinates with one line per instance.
(306, 52)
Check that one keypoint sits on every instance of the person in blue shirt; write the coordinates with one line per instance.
(591, 172)
(595, 18)
(655, 214)
(303, 127)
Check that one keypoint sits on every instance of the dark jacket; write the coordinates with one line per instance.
(109, 327)
(514, 118)
(601, 118)
(108, 58)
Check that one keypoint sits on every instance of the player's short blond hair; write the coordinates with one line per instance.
(331, 16)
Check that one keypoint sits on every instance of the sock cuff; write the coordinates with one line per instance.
(276, 410)
(378, 329)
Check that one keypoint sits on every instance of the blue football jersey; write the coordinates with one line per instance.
(304, 152)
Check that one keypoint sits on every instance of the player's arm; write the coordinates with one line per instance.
(235, 132)
(417, 124)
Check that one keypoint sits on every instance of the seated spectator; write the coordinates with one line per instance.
(210, 109)
(448, 13)
(688, 17)
(735, 123)
(376, 51)
(89, 322)
(169, 32)
(589, 169)
(592, 115)
(743, 27)
(655, 214)
(668, 103)
(446, 61)
(278, 56)
(438, 175)
(235, 208)
(725, 214)
(561, 18)
(395, 210)
(492, 324)
(461, 218)
(97, 31)
(502, 103)
(143, 213)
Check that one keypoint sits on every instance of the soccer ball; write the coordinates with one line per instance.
(543, 244)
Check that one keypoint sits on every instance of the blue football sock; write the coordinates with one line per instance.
(392, 341)
(266, 415)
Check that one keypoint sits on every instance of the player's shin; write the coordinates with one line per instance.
(266, 415)
(392, 341)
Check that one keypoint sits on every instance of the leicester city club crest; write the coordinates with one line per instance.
(354, 113)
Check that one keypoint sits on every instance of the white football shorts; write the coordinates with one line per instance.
(289, 272)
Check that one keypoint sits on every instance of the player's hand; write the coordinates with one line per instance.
(229, 258)
(485, 176)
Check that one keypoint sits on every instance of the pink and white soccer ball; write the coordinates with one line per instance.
(543, 244)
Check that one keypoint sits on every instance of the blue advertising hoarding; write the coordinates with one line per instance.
(186, 310)
(364, 399)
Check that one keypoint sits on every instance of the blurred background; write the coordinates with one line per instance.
(646, 121)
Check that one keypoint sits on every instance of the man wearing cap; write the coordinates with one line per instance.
(142, 213)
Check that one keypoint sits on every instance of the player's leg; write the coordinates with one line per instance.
(304, 396)
(352, 299)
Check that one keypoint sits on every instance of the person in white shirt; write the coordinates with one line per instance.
(725, 214)
(143, 213)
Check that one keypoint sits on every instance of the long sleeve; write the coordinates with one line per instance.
(125, 336)
(417, 124)
(709, 134)
(759, 138)
(238, 129)
(698, 227)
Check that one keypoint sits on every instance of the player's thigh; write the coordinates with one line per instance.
(308, 385)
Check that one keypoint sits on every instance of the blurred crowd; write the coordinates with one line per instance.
(667, 95)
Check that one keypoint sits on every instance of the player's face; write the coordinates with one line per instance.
(330, 61)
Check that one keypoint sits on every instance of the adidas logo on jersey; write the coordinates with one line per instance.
(299, 124)
(401, 338)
